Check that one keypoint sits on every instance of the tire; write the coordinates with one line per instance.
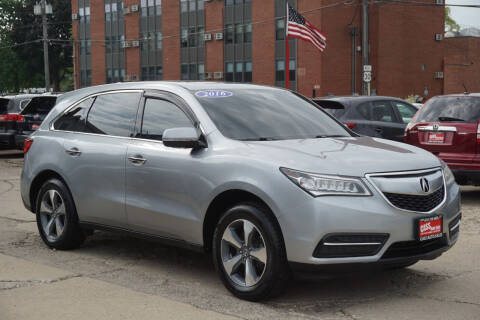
(70, 236)
(395, 266)
(268, 279)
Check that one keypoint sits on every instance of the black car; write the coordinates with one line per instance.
(375, 116)
(21, 115)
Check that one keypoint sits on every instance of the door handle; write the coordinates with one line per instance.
(74, 152)
(379, 130)
(137, 160)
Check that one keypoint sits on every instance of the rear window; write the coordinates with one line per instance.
(335, 108)
(460, 109)
(40, 105)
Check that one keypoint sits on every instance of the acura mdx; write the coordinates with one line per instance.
(261, 177)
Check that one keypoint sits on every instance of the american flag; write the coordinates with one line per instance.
(299, 27)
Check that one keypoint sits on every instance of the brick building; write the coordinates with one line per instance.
(243, 41)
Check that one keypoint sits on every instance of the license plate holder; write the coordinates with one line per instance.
(428, 228)
(436, 137)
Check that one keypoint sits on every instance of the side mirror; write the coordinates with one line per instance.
(187, 138)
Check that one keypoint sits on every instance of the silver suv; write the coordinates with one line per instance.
(261, 177)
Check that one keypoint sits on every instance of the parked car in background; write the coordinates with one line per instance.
(261, 177)
(20, 115)
(449, 127)
(374, 116)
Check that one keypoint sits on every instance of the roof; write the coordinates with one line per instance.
(356, 98)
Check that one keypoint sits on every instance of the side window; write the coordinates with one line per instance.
(382, 111)
(406, 112)
(375, 111)
(160, 115)
(74, 120)
(113, 114)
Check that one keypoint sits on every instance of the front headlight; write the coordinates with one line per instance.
(325, 185)
(449, 177)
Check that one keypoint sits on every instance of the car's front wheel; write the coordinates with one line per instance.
(249, 253)
(57, 219)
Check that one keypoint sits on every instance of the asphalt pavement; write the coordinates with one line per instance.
(117, 277)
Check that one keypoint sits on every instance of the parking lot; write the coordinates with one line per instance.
(116, 277)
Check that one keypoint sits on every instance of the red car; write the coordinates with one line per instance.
(449, 127)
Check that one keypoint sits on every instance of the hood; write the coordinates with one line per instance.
(355, 156)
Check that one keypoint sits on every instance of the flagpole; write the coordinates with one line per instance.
(287, 52)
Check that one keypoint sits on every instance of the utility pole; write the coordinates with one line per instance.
(365, 45)
(45, 45)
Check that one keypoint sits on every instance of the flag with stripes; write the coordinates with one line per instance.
(299, 27)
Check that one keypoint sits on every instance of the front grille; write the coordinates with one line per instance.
(412, 248)
(454, 226)
(418, 203)
(344, 245)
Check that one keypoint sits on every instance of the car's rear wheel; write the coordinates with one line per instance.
(57, 219)
(249, 253)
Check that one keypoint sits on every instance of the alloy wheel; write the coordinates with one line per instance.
(52, 215)
(243, 253)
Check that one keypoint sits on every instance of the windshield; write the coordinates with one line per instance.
(454, 109)
(267, 114)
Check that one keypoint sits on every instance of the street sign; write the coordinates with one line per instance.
(367, 68)
(367, 76)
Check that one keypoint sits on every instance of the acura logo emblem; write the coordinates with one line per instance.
(424, 185)
(436, 127)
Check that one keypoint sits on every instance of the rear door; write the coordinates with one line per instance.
(376, 119)
(447, 126)
(95, 156)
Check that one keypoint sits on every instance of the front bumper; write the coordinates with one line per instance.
(305, 224)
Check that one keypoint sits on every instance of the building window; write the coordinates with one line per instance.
(248, 33)
(280, 29)
(229, 35)
(201, 71)
(248, 71)
(183, 5)
(239, 72)
(152, 40)
(280, 70)
(84, 43)
(229, 72)
(184, 71)
(191, 39)
(238, 33)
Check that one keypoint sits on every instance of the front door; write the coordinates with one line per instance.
(160, 179)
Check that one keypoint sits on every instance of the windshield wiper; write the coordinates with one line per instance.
(450, 119)
(330, 136)
(259, 139)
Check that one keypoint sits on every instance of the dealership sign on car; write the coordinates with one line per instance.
(213, 94)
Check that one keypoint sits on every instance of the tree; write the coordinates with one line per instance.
(450, 23)
(20, 27)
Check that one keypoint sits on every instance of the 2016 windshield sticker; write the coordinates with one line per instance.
(213, 94)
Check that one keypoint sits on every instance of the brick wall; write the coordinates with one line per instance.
(213, 48)
(132, 32)
(97, 34)
(171, 39)
(263, 49)
(462, 64)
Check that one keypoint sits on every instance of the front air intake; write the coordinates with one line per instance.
(345, 245)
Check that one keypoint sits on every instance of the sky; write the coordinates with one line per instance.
(466, 17)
